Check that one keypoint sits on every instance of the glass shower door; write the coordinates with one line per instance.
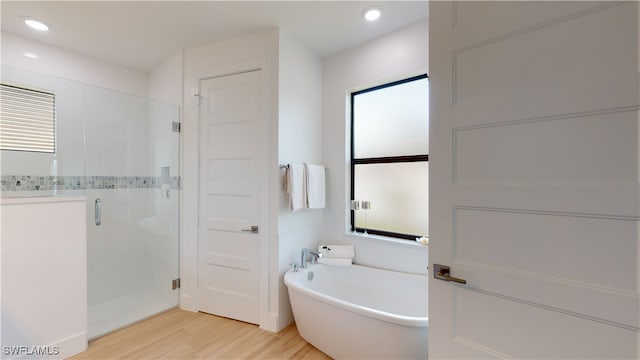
(121, 152)
(132, 170)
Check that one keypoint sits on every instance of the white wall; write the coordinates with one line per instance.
(202, 62)
(165, 80)
(395, 56)
(68, 65)
(299, 140)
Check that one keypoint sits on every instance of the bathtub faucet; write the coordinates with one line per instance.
(305, 254)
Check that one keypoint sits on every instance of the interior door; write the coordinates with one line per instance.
(232, 149)
(534, 179)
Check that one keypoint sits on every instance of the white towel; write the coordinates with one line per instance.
(296, 186)
(335, 261)
(336, 251)
(315, 186)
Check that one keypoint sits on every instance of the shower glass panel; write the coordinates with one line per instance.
(118, 150)
(132, 156)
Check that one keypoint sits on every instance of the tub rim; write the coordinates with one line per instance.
(292, 283)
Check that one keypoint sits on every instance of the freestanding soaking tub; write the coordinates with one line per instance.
(360, 312)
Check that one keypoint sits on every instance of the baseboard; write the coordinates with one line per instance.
(188, 302)
(270, 322)
(60, 349)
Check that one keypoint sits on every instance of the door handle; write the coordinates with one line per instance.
(442, 272)
(254, 229)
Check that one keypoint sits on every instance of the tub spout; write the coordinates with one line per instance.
(304, 254)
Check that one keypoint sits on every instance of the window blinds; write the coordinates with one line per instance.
(27, 119)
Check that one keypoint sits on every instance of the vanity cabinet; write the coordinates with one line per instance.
(44, 277)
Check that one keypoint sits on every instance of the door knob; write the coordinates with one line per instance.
(254, 229)
(442, 272)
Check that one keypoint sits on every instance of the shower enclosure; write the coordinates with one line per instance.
(122, 152)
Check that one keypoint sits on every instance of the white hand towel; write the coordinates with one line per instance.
(315, 186)
(297, 189)
(336, 251)
(336, 261)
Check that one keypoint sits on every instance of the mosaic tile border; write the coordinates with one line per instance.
(47, 183)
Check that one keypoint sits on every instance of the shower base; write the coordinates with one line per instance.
(115, 314)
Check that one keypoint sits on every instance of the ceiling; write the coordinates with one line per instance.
(141, 34)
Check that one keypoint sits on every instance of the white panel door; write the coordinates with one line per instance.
(233, 147)
(534, 180)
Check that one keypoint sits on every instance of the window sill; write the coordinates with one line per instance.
(390, 240)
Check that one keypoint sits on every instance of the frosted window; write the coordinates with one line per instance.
(390, 167)
(399, 196)
(392, 121)
(27, 119)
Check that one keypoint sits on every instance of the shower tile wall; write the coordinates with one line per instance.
(116, 137)
(50, 183)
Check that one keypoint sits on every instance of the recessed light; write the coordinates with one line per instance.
(31, 55)
(35, 24)
(371, 13)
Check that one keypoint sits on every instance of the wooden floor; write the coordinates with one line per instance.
(179, 334)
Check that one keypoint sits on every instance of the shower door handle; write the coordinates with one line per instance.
(98, 212)
(442, 272)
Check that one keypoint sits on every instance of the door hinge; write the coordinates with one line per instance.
(176, 126)
(175, 284)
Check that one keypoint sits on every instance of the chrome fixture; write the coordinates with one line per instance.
(98, 212)
(305, 253)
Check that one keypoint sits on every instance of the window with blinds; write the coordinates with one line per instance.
(27, 119)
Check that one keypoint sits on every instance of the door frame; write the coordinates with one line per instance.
(268, 286)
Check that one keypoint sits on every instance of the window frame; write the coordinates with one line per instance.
(379, 160)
